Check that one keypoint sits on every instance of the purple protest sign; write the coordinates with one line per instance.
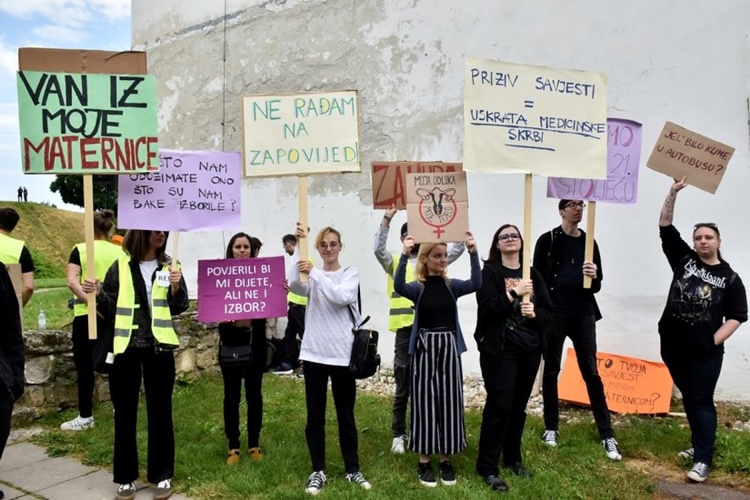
(232, 289)
(623, 160)
(192, 191)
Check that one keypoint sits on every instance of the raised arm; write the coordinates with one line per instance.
(667, 210)
(381, 238)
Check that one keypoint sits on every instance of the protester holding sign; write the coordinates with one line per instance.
(13, 251)
(707, 302)
(559, 257)
(331, 313)
(249, 334)
(435, 346)
(510, 336)
(138, 298)
(105, 253)
(401, 320)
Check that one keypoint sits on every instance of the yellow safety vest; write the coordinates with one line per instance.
(105, 253)
(300, 300)
(402, 309)
(161, 318)
(10, 250)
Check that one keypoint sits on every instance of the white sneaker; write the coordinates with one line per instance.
(78, 424)
(315, 482)
(610, 448)
(358, 478)
(399, 445)
(699, 472)
(550, 438)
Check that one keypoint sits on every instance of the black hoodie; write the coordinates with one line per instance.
(701, 297)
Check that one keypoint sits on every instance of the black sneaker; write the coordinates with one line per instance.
(699, 472)
(426, 475)
(447, 476)
(519, 470)
(315, 482)
(496, 483)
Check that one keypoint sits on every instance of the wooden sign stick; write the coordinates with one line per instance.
(302, 243)
(527, 231)
(175, 246)
(589, 251)
(88, 229)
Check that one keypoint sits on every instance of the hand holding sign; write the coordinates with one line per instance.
(408, 245)
(471, 244)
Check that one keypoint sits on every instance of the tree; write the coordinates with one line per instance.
(70, 188)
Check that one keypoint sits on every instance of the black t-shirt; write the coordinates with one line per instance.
(75, 257)
(437, 308)
(27, 263)
(701, 297)
(569, 298)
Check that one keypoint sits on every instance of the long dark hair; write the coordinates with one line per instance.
(495, 255)
(136, 244)
(230, 253)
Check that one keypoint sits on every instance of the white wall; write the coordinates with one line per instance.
(685, 62)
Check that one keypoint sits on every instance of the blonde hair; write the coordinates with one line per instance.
(322, 234)
(424, 250)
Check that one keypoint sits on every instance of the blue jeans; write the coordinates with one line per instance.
(696, 379)
(582, 331)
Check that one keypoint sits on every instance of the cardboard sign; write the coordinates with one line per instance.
(300, 134)
(623, 160)
(389, 179)
(192, 191)
(680, 152)
(232, 289)
(532, 119)
(16, 277)
(631, 385)
(87, 122)
(437, 207)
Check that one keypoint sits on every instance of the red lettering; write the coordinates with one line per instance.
(152, 153)
(108, 145)
(28, 145)
(86, 152)
(55, 151)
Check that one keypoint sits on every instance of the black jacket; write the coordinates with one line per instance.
(547, 263)
(495, 310)
(11, 339)
(107, 300)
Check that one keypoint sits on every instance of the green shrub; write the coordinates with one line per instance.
(44, 267)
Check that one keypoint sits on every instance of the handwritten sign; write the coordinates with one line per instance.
(389, 179)
(623, 159)
(300, 134)
(192, 191)
(87, 123)
(232, 289)
(680, 152)
(437, 207)
(631, 385)
(532, 119)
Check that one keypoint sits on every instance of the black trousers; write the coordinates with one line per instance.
(83, 358)
(233, 377)
(582, 331)
(6, 412)
(295, 326)
(696, 378)
(401, 372)
(157, 370)
(344, 391)
(508, 379)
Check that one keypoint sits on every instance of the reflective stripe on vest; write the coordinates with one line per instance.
(161, 318)
(296, 299)
(401, 313)
(105, 253)
(10, 250)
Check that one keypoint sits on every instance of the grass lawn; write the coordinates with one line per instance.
(40, 283)
(55, 304)
(576, 469)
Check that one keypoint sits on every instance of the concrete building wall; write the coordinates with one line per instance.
(681, 61)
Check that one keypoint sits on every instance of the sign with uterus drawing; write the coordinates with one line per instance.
(437, 207)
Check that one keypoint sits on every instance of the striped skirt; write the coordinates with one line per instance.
(437, 396)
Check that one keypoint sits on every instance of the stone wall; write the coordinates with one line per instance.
(51, 376)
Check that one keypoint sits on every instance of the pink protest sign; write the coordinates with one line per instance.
(192, 191)
(623, 160)
(232, 289)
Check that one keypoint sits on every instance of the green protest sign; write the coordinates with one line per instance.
(87, 123)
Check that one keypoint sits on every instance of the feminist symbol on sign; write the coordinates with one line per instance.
(437, 208)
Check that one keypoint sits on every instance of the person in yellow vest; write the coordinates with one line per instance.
(295, 325)
(105, 253)
(138, 298)
(400, 321)
(13, 251)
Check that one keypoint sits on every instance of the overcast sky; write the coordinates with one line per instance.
(65, 24)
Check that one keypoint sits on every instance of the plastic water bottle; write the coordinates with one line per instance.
(42, 321)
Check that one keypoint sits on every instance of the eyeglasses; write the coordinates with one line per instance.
(325, 246)
(575, 204)
(509, 237)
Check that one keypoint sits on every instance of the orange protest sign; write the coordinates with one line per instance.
(631, 385)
